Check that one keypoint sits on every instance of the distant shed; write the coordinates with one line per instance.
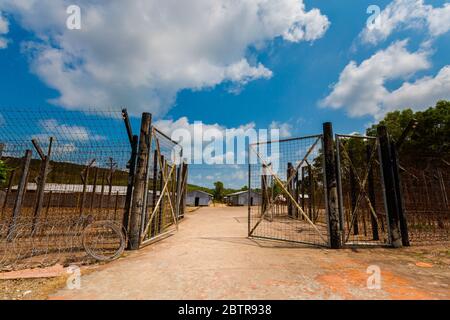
(198, 198)
(242, 198)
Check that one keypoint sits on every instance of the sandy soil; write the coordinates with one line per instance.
(211, 258)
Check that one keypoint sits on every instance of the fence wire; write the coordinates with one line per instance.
(292, 205)
(64, 191)
(166, 185)
(361, 197)
(426, 194)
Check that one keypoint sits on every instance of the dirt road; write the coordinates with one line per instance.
(211, 258)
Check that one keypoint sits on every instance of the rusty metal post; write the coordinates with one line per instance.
(20, 192)
(389, 187)
(137, 204)
(332, 203)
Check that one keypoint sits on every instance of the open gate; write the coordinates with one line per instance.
(362, 206)
(291, 184)
(326, 190)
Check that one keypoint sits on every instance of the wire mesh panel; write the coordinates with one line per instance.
(426, 194)
(64, 188)
(362, 204)
(166, 183)
(291, 187)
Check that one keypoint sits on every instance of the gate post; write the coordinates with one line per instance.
(399, 194)
(290, 208)
(390, 195)
(139, 182)
(332, 208)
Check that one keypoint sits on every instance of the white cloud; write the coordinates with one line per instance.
(284, 128)
(361, 89)
(140, 53)
(409, 14)
(422, 93)
(65, 132)
(4, 29)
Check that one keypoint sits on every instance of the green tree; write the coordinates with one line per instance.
(219, 191)
(3, 172)
(432, 135)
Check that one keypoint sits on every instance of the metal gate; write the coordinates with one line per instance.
(165, 185)
(362, 206)
(291, 186)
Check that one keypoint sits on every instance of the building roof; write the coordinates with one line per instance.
(241, 192)
(204, 192)
(76, 188)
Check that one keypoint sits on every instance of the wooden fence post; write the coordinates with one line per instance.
(137, 204)
(20, 192)
(331, 187)
(389, 187)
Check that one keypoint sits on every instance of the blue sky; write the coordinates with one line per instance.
(303, 71)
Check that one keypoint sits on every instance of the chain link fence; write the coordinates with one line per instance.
(64, 187)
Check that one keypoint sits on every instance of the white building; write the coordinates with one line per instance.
(241, 198)
(198, 198)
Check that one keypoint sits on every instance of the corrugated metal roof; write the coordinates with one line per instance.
(75, 188)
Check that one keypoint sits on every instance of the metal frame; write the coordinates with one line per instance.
(285, 192)
(362, 194)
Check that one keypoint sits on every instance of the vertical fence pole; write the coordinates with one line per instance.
(303, 190)
(399, 197)
(371, 191)
(139, 182)
(290, 168)
(20, 191)
(353, 191)
(102, 191)
(144, 216)
(389, 187)
(132, 170)
(43, 172)
(263, 188)
(94, 190)
(331, 186)
(179, 186)
(8, 191)
(154, 190)
(185, 186)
